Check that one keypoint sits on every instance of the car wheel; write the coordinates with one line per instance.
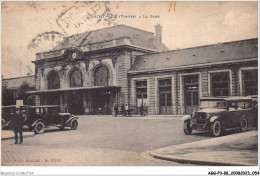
(186, 128)
(74, 124)
(39, 128)
(243, 124)
(3, 123)
(216, 128)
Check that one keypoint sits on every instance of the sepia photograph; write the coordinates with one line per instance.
(143, 83)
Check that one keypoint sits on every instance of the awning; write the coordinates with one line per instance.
(74, 89)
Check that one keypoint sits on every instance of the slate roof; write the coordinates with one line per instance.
(230, 51)
(15, 83)
(138, 37)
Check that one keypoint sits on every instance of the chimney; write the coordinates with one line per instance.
(158, 37)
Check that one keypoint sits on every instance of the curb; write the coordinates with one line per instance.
(12, 137)
(198, 161)
(190, 161)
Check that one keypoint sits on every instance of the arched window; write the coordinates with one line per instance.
(101, 76)
(76, 78)
(53, 80)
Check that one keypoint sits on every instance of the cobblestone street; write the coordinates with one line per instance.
(100, 141)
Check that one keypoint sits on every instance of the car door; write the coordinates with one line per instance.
(249, 112)
(232, 114)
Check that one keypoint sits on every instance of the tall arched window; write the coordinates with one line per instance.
(101, 76)
(53, 80)
(76, 78)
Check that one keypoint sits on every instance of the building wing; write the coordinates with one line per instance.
(218, 53)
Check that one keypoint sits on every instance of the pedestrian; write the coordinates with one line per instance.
(99, 111)
(116, 110)
(142, 109)
(126, 110)
(18, 125)
(145, 109)
(123, 109)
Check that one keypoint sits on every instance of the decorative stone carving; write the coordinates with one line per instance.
(87, 65)
(63, 71)
(114, 61)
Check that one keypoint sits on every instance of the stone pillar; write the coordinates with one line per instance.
(124, 64)
(151, 94)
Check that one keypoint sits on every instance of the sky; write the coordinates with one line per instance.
(27, 26)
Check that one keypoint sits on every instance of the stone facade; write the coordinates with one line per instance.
(130, 70)
(238, 83)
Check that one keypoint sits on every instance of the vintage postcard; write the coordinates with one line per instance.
(130, 84)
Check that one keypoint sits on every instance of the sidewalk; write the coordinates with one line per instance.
(132, 116)
(239, 149)
(6, 134)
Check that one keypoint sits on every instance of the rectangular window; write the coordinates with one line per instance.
(141, 93)
(165, 96)
(220, 84)
(191, 93)
(250, 82)
(165, 92)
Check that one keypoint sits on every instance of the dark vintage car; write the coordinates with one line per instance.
(37, 118)
(217, 114)
(8, 114)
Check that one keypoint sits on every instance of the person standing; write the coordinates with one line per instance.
(18, 125)
(145, 109)
(123, 109)
(142, 109)
(126, 110)
(116, 110)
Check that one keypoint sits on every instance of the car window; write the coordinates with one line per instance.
(248, 104)
(12, 111)
(37, 110)
(232, 106)
(240, 105)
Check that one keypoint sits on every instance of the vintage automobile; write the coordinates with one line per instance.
(8, 113)
(217, 114)
(37, 118)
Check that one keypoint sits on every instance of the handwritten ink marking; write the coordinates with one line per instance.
(82, 15)
(174, 6)
(45, 41)
(170, 7)
(33, 4)
(117, 5)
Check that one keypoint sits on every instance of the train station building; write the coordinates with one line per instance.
(120, 65)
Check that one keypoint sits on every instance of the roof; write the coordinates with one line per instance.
(138, 37)
(234, 98)
(73, 89)
(230, 51)
(15, 83)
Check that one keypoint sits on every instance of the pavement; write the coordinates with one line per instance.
(6, 134)
(233, 150)
(129, 141)
(148, 117)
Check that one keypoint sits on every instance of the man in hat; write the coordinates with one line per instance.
(18, 125)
